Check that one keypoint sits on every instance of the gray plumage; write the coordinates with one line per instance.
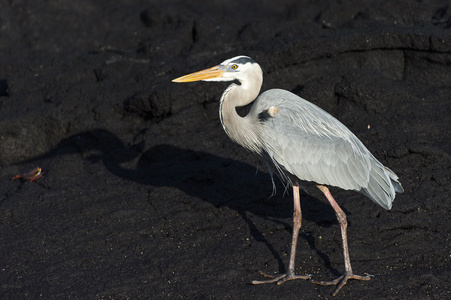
(309, 143)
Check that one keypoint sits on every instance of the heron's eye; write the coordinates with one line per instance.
(234, 67)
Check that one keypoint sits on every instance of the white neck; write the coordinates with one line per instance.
(241, 130)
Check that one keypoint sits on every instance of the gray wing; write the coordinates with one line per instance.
(309, 143)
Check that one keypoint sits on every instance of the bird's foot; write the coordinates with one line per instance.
(280, 278)
(341, 281)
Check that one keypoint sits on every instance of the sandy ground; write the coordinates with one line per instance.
(145, 197)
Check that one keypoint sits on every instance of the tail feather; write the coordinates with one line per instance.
(382, 185)
(394, 179)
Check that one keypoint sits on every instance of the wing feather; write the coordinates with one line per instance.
(312, 145)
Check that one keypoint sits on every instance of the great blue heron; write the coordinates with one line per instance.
(303, 143)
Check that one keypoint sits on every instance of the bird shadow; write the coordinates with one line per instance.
(217, 180)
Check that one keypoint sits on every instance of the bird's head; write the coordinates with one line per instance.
(237, 68)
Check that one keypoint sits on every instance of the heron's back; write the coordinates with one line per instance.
(309, 143)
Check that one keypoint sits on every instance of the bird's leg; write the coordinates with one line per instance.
(341, 217)
(297, 218)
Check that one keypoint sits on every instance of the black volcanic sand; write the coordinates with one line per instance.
(145, 197)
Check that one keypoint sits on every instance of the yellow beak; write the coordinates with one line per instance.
(210, 73)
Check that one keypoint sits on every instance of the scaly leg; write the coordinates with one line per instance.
(297, 218)
(341, 217)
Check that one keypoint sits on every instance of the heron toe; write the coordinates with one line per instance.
(342, 280)
(280, 278)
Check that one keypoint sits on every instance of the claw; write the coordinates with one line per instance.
(282, 278)
(342, 280)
